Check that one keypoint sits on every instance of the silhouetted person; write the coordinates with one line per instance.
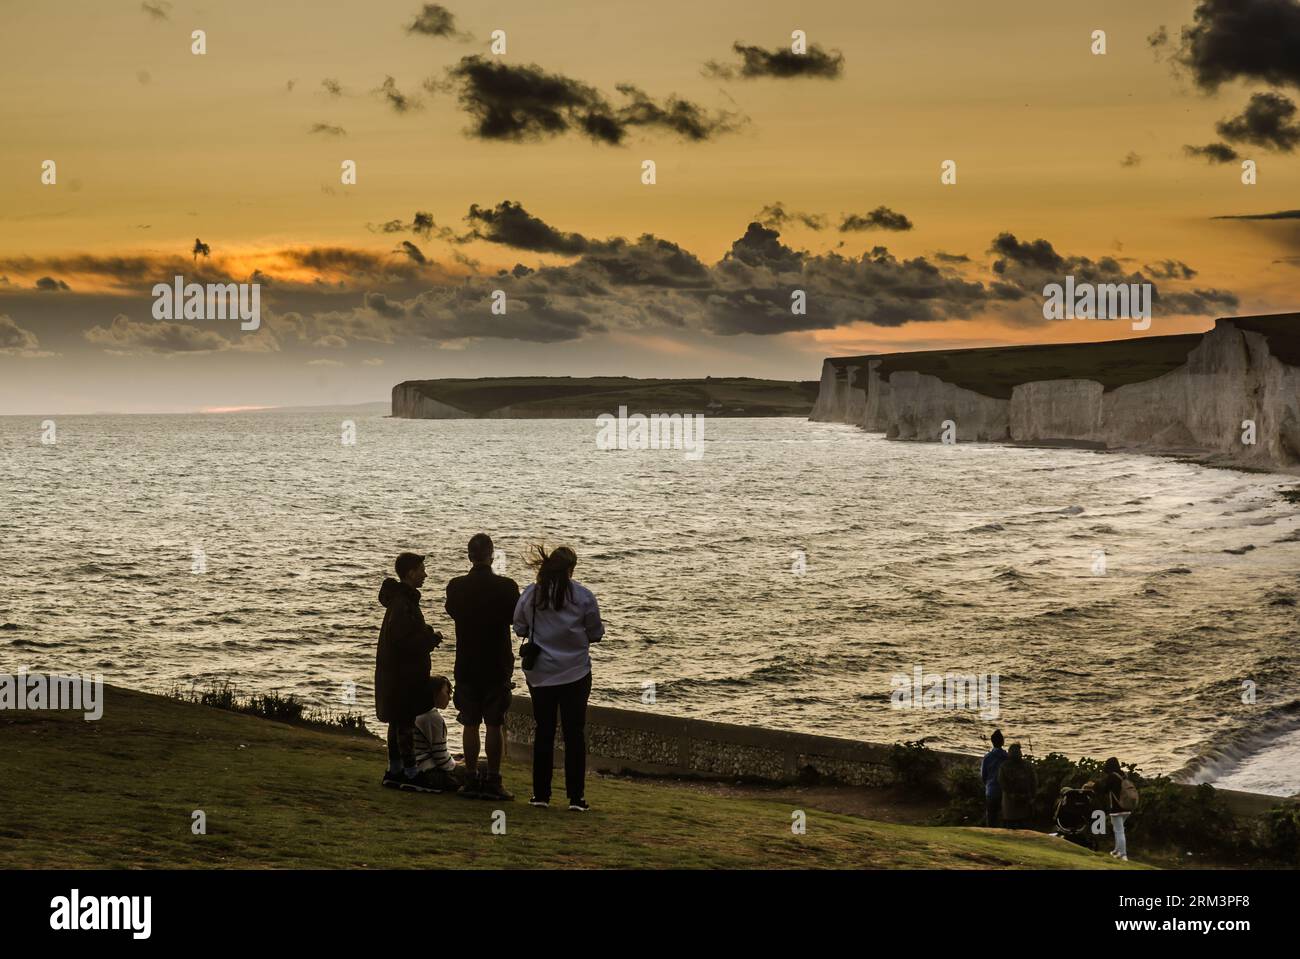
(1118, 798)
(402, 666)
(560, 619)
(483, 606)
(993, 759)
(1019, 785)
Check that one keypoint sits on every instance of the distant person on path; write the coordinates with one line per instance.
(482, 604)
(438, 772)
(402, 665)
(993, 760)
(559, 618)
(1019, 785)
(1118, 797)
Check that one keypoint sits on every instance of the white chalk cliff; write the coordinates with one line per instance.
(1197, 408)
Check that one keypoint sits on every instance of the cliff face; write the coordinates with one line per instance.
(410, 403)
(1233, 374)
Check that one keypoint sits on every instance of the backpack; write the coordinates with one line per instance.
(1128, 794)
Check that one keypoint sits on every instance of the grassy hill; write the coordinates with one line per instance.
(540, 395)
(119, 793)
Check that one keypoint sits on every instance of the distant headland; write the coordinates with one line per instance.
(569, 397)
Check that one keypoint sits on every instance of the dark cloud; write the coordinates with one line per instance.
(332, 87)
(383, 306)
(414, 252)
(782, 63)
(688, 120)
(398, 100)
(435, 20)
(157, 9)
(1267, 121)
(775, 216)
(48, 284)
(943, 257)
(522, 103)
(1131, 159)
(1213, 152)
(1242, 40)
(881, 218)
(327, 129)
(1025, 268)
(1279, 215)
(1011, 252)
(509, 224)
(351, 262)
(1170, 270)
(14, 340)
(200, 249)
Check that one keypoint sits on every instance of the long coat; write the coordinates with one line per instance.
(1019, 784)
(402, 665)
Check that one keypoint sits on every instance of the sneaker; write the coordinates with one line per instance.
(392, 780)
(424, 782)
(471, 788)
(578, 805)
(491, 788)
(543, 803)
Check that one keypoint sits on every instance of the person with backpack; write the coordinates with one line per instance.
(559, 618)
(993, 759)
(1019, 785)
(1118, 797)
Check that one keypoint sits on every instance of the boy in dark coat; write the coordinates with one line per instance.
(402, 666)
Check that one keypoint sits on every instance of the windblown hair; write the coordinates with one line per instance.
(554, 570)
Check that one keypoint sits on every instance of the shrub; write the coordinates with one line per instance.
(1278, 838)
(915, 767)
(284, 709)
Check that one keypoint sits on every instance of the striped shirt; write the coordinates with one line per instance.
(431, 742)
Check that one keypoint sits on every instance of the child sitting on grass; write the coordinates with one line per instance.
(438, 771)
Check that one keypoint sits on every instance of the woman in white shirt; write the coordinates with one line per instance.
(560, 619)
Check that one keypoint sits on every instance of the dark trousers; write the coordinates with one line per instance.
(570, 700)
(992, 811)
(401, 745)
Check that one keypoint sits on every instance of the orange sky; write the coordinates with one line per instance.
(156, 146)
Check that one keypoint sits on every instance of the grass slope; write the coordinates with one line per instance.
(120, 793)
(540, 394)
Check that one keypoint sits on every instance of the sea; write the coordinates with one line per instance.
(796, 575)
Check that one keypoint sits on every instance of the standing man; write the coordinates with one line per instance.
(993, 761)
(482, 604)
(402, 667)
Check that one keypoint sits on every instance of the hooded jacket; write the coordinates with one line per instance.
(402, 666)
(1018, 783)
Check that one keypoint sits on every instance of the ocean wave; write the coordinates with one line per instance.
(1217, 757)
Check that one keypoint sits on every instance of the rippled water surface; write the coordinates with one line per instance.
(966, 559)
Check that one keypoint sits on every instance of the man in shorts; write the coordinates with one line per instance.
(482, 604)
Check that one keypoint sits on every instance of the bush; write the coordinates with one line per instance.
(915, 767)
(283, 709)
(965, 794)
(1278, 838)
